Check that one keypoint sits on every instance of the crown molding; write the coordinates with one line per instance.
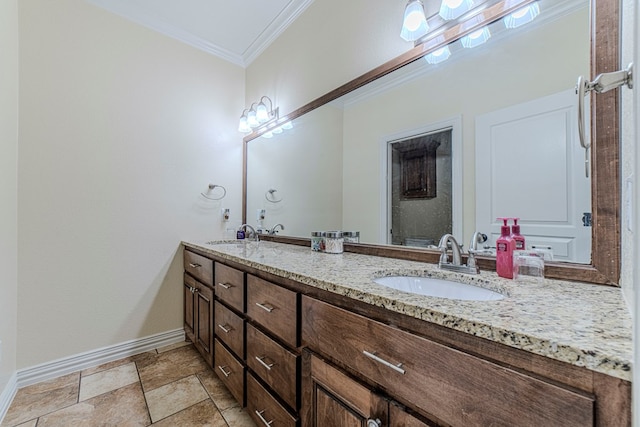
(289, 14)
(269, 35)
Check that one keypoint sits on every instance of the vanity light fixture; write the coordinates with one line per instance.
(476, 38)
(522, 16)
(244, 126)
(414, 24)
(453, 9)
(439, 55)
(252, 119)
(257, 115)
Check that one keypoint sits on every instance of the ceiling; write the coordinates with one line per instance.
(237, 31)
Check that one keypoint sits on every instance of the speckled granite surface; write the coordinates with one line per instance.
(582, 324)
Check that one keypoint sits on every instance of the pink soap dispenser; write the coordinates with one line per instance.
(516, 236)
(504, 251)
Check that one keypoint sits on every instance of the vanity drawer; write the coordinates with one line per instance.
(229, 329)
(273, 307)
(230, 371)
(199, 267)
(277, 366)
(449, 384)
(230, 286)
(264, 408)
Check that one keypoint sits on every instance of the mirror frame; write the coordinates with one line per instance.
(604, 269)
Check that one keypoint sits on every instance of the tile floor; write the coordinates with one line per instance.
(171, 386)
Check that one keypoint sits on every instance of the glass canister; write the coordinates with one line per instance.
(317, 241)
(333, 242)
(351, 236)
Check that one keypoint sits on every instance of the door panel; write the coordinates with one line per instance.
(535, 139)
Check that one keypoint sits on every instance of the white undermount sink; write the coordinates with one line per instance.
(439, 288)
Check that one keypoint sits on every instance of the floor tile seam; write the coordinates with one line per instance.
(144, 395)
(182, 410)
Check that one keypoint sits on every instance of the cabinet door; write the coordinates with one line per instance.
(189, 313)
(203, 328)
(332, 398)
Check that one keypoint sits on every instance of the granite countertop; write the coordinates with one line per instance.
(579, 323)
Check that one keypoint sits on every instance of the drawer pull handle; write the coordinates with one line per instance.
(259, 414)
(225, 373)
(225, 285)
(193, 290)
(225, 328)
(192, 265)
(374, 423)
(263, 363)
(397, 368)
(265, 307)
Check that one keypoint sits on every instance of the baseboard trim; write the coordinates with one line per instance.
(7, 395)
(97, 357)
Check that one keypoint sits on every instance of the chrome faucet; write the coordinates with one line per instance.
(273, 230)
(253, 231)
(456, 257)
(478, 237)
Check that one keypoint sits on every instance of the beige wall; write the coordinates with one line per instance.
(121, 128)
(8, 189)
(331, 43)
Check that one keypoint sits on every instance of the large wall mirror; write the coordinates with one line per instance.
(347, 162)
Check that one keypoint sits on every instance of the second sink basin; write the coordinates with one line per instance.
(439, 288)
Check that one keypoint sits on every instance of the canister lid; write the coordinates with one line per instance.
(351, 234)
(317, 233)
(333, 234)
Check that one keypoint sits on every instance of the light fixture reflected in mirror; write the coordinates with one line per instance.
(476, 38)
(438, 56)
(522, 16)
(453, 9)
(414, 24)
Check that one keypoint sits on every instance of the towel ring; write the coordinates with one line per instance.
(269, 195)
(211, 188)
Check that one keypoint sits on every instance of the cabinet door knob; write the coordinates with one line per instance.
(374, 423)
(225, 328)
(225, 373)
(259, 414)
(265, 307)
(225, 285)
(263, 363)
(192, 265)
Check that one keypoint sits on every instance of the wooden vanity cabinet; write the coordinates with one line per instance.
(299, 356)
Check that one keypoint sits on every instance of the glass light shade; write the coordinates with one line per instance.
(452, 9)
(439, 55)
(277, 130)
(414, 24)
(252, 119)
(244, 126)
(267, 135)
(262, 115)
(522, 16)
(476, 38)
(288, 125)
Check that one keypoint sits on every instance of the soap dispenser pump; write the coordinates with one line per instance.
(504, 251)
(516, 236)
